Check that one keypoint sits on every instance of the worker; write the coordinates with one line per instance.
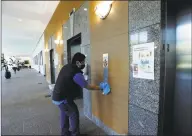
(68, 86)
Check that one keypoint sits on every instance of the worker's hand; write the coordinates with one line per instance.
(101, 85)
(104, 86)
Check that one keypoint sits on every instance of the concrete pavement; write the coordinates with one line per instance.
(26, 110)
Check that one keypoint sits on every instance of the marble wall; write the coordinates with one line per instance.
(145, 16)
(80, 25)
(66, 36)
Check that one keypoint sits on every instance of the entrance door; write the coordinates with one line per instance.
(177, 108)
(52, 68)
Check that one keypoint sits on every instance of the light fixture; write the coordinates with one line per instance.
(65, 27)
(46, 50)
(58, 42)
(103, 9)
(85, 9)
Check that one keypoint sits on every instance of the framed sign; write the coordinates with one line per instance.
(143, 61)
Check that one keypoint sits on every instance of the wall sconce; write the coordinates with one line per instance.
(103, 9)
(58, 42)
(61, 42)
(46, 50)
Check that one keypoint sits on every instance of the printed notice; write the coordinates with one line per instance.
(143, 61)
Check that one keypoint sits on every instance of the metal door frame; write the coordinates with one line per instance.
(70, 43)
(51, 55)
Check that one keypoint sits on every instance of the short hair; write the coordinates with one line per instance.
(78, 57)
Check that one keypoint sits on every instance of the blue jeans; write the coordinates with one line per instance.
(69, 119)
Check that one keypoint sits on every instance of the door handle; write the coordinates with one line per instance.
(167, 47)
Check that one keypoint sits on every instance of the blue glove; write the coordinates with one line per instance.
(104, 86)
(101, 85)
(106, 89)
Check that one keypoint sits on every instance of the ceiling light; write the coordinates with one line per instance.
(65, 27)
(85, 9)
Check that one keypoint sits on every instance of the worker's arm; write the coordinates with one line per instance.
(92, 87)
(80, 80)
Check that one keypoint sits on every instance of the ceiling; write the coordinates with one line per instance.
(23, 23)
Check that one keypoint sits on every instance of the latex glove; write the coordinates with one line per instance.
(101, 85)
(106, 89)
(104, 86)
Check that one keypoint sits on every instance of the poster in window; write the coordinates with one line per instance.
(143, 61)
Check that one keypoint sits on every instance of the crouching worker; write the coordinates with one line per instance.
(68, 86)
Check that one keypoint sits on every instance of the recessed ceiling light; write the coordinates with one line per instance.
(65, 27)
(20, 20)
(85, 9)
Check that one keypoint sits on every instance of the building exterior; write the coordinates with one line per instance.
(136, 105)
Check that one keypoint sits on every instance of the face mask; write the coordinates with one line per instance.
(80, 65)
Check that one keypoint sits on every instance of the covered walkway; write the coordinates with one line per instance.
(26, 110)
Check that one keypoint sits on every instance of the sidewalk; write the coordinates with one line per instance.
(26, 110)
